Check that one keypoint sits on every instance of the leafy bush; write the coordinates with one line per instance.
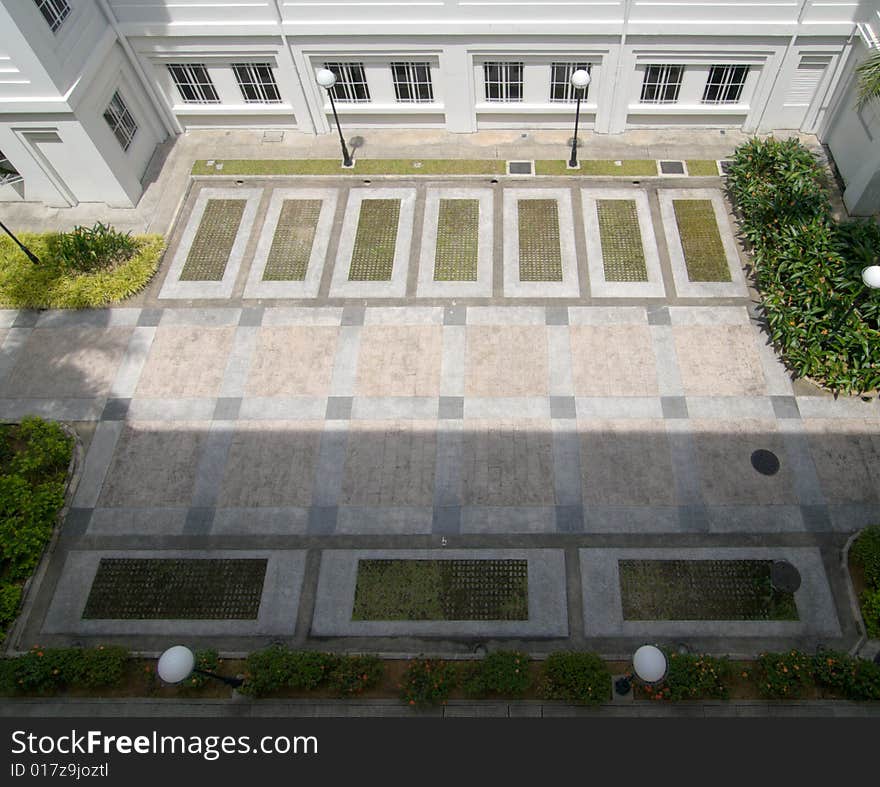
(503, 673)
(427, 682)
(855, 679)
(88, 250)
(865, 682)
(44, 670)
(691, 677)
(277, 668)
(870, 603)
(784, 675)
(350, 676)
(576, 677)
(866, 553)
(807, 267)
(207, 660)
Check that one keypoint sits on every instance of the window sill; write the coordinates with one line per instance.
(233, 109)
(520, 107)
(688, 109)
(369, 107)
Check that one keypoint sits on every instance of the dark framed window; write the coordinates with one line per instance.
(257, 83)
(725, 84)
(561, 90)
(661, 84)
(503, 81)
(412, 82)
(194, 83)
(8, 173)
(351, 82)
(120, 121)
(54, 12)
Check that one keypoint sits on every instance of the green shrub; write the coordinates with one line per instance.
(691, 677)
(865, 682)
(48, 670)
(350, 676)
(10, 599)
(866, 554)
(576, 677)
(503, 673)
(427, 682)
(277, 668)
(854, 679)
(807, 267)
(784, 675)
(208, 660)
(870, 603)
(92, 249)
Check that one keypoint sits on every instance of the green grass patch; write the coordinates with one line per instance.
(622, 254)
(292, 244)
(373, 256)
(176, 589)
(441, 590)
(458, 234)
(540, 257)
(599, 167)
(34, 458)
(214, 240)
(54, 284)
(699, 167)
(701, 243)
(702, 590)
(361, 167)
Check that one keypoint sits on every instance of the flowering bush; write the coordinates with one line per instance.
(427, 682)
(277, 668)
(503, 673)
(207, 660)
(350, 676)
(783, 675)
(692, 677)
(576, 677)
(45, 670)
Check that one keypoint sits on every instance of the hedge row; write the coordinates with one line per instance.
(823, 320)
(866, 555)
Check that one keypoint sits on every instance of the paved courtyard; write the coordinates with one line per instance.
(557, 370)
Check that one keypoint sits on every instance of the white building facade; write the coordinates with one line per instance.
(88, 88)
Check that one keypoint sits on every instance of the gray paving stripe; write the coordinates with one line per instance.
(282, 408)
(452, 363)
(507, 520)
(275, 521)
(826, 406)
(8, 317)
(567, 463)
(379, 408)
(685, 465)
(384, 520)
(631, 519)
(799, 457)
(548, 615)
(849, 518)
(212, 463)
(330, 469)
(618, 407)
(709, 315)
(506, 315)
(607, 315)
(499, 408)
(603, 606)
(344, 376)
(449, 465)
(89, 318)
(13, 344)
(214, 317)
(278, 608)
(668, 375)
(302, 315)
(98, 459)
(730, 407)
(755, 519)
(127, 522)
(403, 315)
(559, 358)
(238, 362)
(129, 372)
(192, 409)
(52, 409)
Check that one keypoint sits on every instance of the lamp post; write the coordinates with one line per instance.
(178, 662)
(30, 255)
(649, 666)
(326, 79)
(579, 80)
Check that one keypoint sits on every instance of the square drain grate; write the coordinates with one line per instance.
(519, 167)
(672, 167)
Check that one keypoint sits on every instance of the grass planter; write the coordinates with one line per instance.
(54, 285)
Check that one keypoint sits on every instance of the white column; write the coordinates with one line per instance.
(458, 89)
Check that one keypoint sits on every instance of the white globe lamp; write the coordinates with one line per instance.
(176, 664)
(649, 664)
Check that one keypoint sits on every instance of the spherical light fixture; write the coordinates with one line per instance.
(871, 276)
(579, 79)
(176, 664)
(325, 78)
(649, 664)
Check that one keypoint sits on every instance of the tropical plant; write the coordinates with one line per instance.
(868, 76)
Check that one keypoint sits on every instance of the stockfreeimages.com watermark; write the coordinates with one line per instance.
(209, 747)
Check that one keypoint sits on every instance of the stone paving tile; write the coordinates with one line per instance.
(724, 450)
(154, 464)
(271, 464)
(507, 463)
(506, 361)
(719, 360)
(389, 463)
(613, 360)
(399, 361)
(293, 360)
(185, 362)
(69, 362)
(846, 453)
(626, 463)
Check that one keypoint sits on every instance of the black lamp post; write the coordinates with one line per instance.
(579, 81)
(326, 79)
(178, 662)
(30, 255)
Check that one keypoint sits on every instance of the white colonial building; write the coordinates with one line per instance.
(88, 88)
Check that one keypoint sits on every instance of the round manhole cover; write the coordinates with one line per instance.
(765, 462)
(785, 576)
